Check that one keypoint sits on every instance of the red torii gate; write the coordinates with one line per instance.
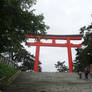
(68, 44)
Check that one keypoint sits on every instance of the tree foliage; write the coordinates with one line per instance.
(17, 18)
(61, 67)
(84, 54)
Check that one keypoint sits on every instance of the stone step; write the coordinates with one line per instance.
(49, 82)
(46, 77)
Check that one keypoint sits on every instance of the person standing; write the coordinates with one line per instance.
(80, 74)
(86, 73)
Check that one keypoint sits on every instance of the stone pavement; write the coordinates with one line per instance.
(49, 82)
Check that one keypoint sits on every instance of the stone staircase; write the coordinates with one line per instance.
(49, 82)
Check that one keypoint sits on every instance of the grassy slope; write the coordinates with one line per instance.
(6, 72)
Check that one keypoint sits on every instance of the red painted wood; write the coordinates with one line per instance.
(54, 44)
(69, 55)
(58, 37)
(46, 44)
(36, 59)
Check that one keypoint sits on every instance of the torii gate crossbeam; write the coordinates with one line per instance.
(68, 44)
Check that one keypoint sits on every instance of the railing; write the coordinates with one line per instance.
(8, 62)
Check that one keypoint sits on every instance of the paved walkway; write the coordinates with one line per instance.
(49, 82)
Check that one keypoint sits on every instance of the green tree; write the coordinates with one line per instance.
(17, 19)
(61, 67)
(28, 64)
(84, 54)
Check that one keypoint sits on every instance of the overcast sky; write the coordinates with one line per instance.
(63, 17)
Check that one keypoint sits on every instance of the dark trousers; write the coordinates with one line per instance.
(86, 75)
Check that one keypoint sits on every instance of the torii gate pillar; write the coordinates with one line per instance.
(36, 59)
(69, 56)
